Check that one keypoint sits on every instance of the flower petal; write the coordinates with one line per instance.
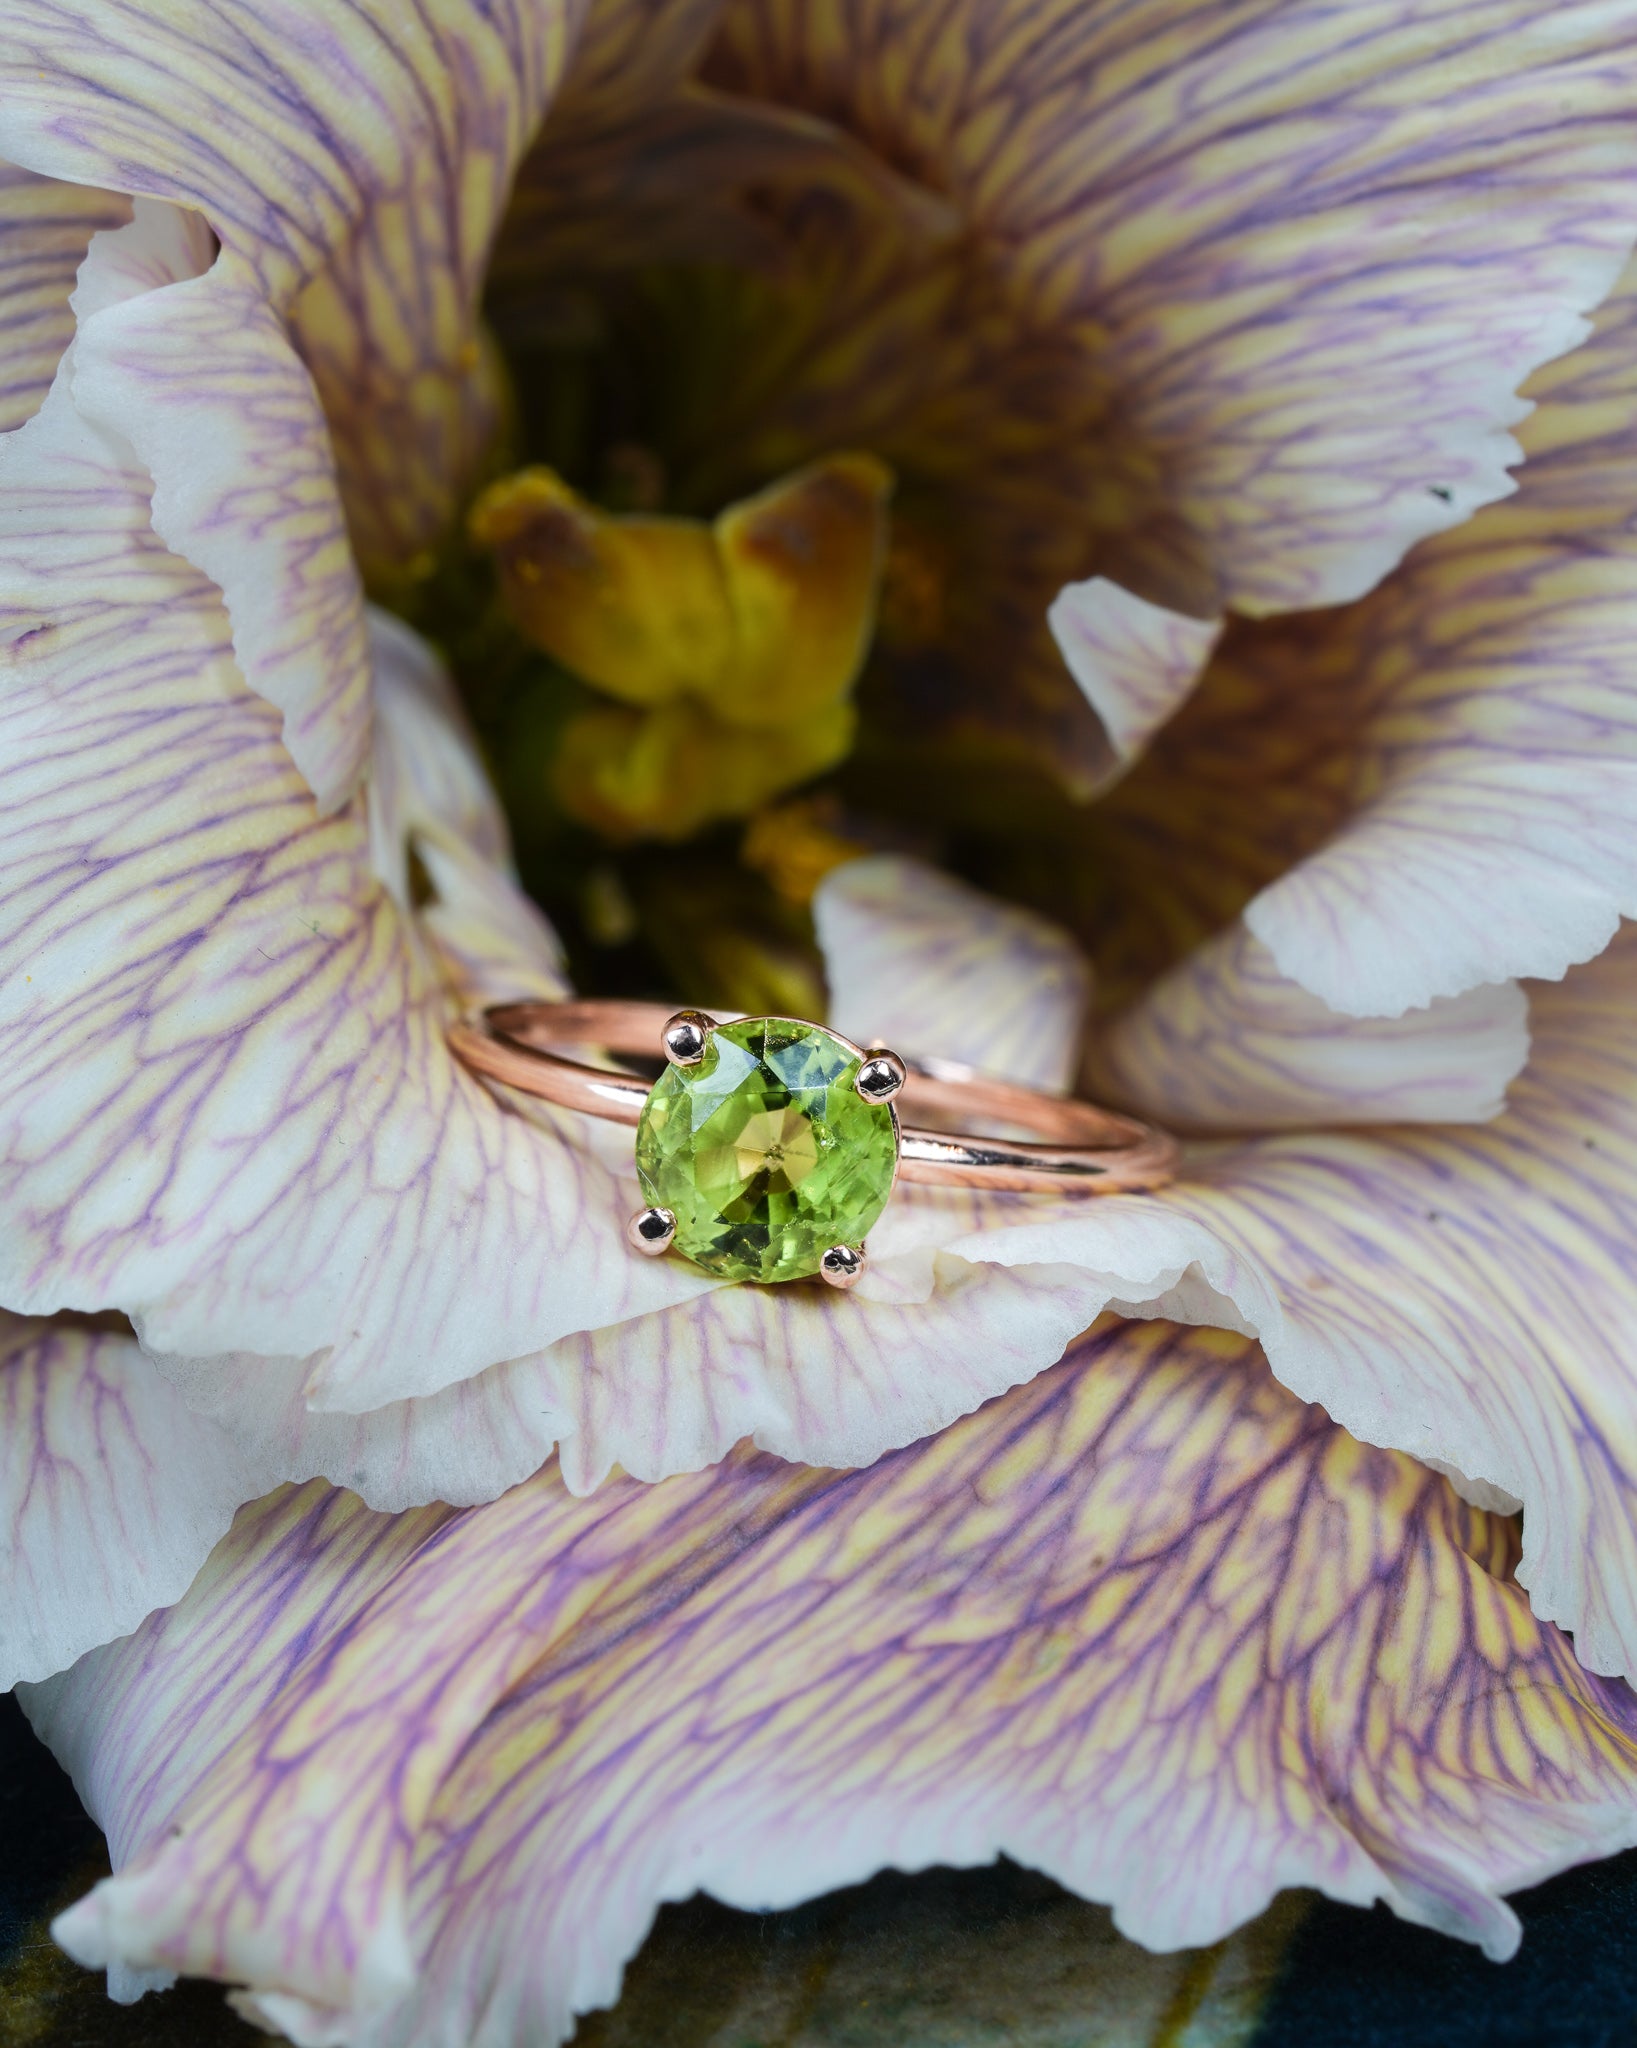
(920, 962)
(45, 229)
(1460, 1295)
(112, 1493)
(1497, 837)
(639, 164)
(965, 1294)
(184, 357)
(1135, 661)
(226, 1105)
(465, 1444)
(355, 160)
(1432, 789)
(1149, 1625)
(1464, 1297)
(1282, 344)
(426, 780)
(1470, 1296)
(1226, 1042)
(430, 804)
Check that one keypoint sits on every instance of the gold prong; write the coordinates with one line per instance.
(841, 1265)
(650, 1231)
(881, 1075)
(686, 1036)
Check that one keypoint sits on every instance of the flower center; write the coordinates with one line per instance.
(731, 645)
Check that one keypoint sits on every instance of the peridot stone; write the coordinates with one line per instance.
(764, 1152)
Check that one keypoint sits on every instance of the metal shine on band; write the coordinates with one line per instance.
(1075, 1145)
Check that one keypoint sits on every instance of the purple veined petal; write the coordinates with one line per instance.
(1225, 1042)
(964, 1294)
(355, 158)
(1134, 661)
(353, 167)
(1464, 1295)
(179, 353)
(1469, 1295)
(1433, 789)
(1460, 1294)
(426, 776)
(1125, 1625)
(1286, 346)
(226, 1105)
(45, 230)
(112, 1492)
(921, 962)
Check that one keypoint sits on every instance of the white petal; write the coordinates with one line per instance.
(45, 229)
(226, 1104)
(1493, 741)
(112, 1492)
(354, 161)
(1226, 1042)
(1135, 661)
(426, 777)
(920, 962)
(182, 356)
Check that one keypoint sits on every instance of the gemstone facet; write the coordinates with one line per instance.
(765, 1152)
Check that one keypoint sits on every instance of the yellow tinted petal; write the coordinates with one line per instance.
(1149, 1625)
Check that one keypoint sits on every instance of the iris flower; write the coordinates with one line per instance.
(422, 1589)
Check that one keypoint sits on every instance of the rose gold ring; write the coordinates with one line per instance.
(767, 1144)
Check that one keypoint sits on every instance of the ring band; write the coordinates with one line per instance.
(1080, 1145)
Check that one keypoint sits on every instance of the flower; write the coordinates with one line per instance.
(1155, 315)
(1146, 1623)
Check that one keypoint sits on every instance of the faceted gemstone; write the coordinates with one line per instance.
(764, 1152)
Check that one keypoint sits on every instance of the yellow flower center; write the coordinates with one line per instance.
(734, 642)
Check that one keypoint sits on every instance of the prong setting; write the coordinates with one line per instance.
(881, 1075)
(841, 1265)
(651, 1231)
(686, 1036)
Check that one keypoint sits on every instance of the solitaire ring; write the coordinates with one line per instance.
(768, 1146)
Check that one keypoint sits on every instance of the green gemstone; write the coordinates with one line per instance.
(764, 1152)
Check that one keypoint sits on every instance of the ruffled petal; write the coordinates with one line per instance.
(1466, 1296)
(1500, 753)
(112, 1492)
(1433, 789)
(427, 783)
(1135, 661)
(355, 162)
(45, 230)
(1149, 1625)
(1278, 347)
(920, 962)
(1470, 1296)
(179, 353)
(438, 839)
(1225, 1042)
(226, 1104)
(965, 1294)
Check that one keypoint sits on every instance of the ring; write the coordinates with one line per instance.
(768, 1147)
